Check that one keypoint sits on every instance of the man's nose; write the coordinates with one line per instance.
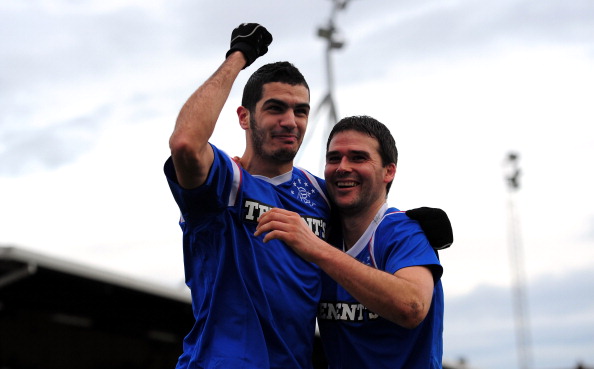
(344, 166)
(288, 119)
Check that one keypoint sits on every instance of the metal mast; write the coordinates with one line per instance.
(333, 42)
(516, 254)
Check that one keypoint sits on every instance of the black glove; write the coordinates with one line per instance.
(252, 40)
(436, 225)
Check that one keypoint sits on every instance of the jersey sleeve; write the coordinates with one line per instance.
(400, 242)
(213, 195)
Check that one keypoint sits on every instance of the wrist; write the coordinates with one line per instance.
(237, 57)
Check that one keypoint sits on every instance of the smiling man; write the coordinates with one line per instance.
(382, 299)
(254, 305)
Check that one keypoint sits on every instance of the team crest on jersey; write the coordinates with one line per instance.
(303, 191)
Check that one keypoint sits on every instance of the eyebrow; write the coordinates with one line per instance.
(349, 152)
(283, 103)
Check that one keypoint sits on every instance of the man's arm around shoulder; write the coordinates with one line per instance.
(403, 297)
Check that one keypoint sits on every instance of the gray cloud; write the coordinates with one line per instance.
(25, 150)
(42, 48)
(560, 315)
(49, 57)
(463, 28)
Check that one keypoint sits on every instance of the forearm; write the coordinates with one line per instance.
(396, 298)
(196, 122)
(403, 297)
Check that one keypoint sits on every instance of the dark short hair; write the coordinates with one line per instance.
(283, 72)
(374, 128)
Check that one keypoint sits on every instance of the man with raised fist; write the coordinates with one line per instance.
(254, 304)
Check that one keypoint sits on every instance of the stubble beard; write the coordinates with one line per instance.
(352, 207)
(353, 204)
(281, 156)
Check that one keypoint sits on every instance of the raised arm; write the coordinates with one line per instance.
(192, 155)
(403, 297)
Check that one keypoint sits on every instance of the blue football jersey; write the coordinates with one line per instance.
(355, 337)
(254, 302)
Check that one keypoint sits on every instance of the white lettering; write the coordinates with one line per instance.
(332, 312)
(254, 210)
(349, 312)
(251, 205)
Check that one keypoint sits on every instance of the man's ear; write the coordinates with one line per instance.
(244, 117)
(390, 173)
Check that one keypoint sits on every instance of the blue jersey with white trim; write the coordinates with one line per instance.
(355, 337)
(254, 303)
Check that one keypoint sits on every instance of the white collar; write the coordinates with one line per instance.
(278, 179)
(366, 236)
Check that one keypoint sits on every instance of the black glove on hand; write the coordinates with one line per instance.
(252, 40)
(436, 225)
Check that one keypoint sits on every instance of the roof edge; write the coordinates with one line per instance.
(38, 260)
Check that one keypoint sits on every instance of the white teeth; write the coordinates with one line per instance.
(346, 184)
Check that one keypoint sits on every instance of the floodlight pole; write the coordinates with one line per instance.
(328, 33)
(332, 43)
(516, 253)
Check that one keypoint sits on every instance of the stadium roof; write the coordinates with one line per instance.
(59, 314)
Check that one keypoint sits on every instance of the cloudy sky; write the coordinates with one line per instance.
(90, 90)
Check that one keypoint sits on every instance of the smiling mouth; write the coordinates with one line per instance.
(346, 184)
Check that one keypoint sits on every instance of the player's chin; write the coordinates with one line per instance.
(285, 154)
(352, 202)
(347, 205)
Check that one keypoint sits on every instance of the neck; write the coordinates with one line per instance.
(356, 223)
(267, 168)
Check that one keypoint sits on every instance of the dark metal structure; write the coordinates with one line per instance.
(516, 253)
(56, 314)
(321, 130)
